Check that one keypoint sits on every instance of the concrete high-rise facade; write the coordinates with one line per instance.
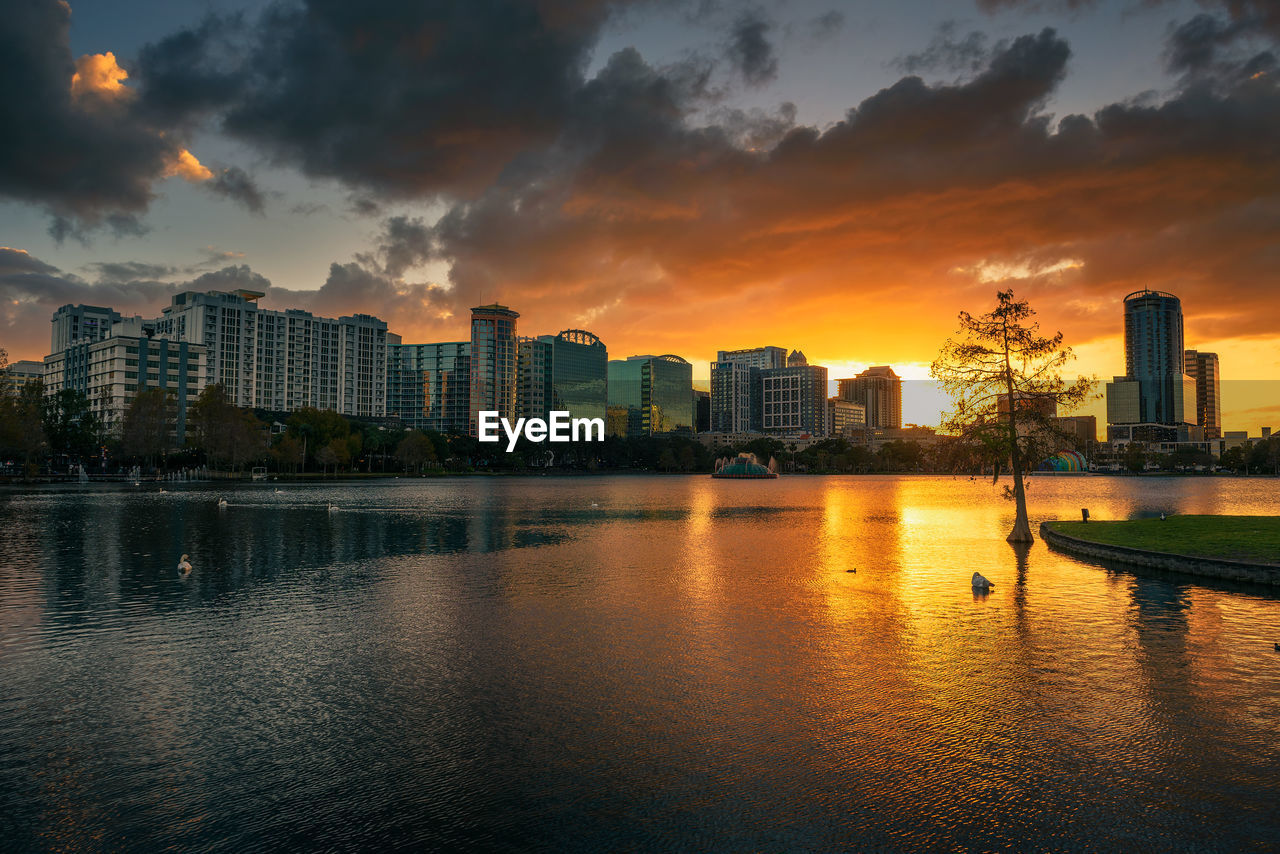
(794, 399)
(283, 360)
(1203, 368)
(494, 363)
(736, 406)
(80, 323)
(879, 390)
(112, 371)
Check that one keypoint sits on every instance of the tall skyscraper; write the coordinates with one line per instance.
(878, 389)
(736, 406)
(1203, 368)
(494, 362)
(1153, 354)
(650, 395)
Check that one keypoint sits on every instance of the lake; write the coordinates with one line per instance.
(625, 663)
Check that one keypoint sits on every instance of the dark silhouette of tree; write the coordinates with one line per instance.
(69, 424)
(415, 451)
(1000, 355)
(147, 430)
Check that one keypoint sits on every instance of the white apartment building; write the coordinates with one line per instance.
(111, 371)
(283, 360)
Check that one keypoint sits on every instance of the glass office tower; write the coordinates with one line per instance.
(650, 395)
(428, 385)
(1153, 354)
(579, 373)
(494, 354)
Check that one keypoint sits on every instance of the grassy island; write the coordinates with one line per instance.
(1255, 539)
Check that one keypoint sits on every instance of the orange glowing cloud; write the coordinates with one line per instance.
(99, 75)
(185, 165)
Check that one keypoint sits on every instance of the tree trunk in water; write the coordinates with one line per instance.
(1021, 532)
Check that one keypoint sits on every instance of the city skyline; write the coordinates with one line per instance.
(841, 179)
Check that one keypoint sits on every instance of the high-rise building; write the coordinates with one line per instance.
(21, 372)
(735, 399)
(763, 358)
(112, 371)
(846, 419)
(794, 398)
(76, 323)
(701, 410)
(1203, 368)
(579, 373)
(650, 395)
(283, 360)
(1153, 355)
(494, 362)
(878, 389)
(533, 384)
(735, 387)
(429, 385)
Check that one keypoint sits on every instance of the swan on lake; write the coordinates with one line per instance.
(184, 566)
(222, 504)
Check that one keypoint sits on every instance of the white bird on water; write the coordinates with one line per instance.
(184, 566)
(164, 492)
(222, 504)
(279, 492)
(333, 508)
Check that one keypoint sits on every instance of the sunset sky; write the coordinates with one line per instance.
(838, 177)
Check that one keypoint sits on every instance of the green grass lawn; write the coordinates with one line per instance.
(1248, 538)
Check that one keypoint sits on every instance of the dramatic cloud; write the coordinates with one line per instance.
(400, 97)
(75, 141)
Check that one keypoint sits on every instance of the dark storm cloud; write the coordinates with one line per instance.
(238, 185)
(1211, 46)
(402, 97)
(636, 206)
(750, 50)
(88, 157)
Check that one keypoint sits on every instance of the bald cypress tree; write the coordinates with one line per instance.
(1001, 373)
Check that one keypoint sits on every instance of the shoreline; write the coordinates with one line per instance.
(1254, 572)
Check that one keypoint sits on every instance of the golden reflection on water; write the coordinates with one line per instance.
(676, 654)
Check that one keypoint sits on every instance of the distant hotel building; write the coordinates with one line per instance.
(649, 396)
(1203, 368)
(1155, 399)
(879, 390)
(494, 360)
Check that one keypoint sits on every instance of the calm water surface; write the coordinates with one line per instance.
(624, 663)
